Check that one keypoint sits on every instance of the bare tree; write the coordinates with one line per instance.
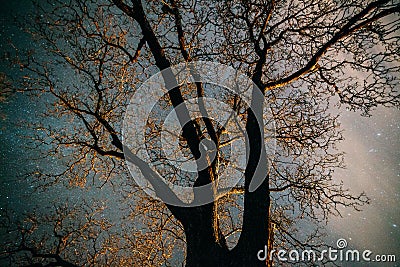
(60, 239)
(303, 56)
(5, 87)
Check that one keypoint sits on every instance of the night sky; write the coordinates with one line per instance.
(371, 144)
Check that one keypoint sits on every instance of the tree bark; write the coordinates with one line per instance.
(204, 247)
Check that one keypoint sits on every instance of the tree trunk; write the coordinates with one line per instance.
(202, 249)
(206, 245)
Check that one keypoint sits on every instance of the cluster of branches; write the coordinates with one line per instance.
(85, 234)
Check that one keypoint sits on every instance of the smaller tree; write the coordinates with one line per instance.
(69, 236)
(5, 87)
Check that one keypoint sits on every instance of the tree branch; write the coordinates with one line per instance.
(349, 28)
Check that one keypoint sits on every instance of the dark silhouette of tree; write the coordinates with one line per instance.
(304, 57)
(6, 90)
(5, 87)
(49, 240)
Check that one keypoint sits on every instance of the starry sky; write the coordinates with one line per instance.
(371, 144)
(12, 111)
(373, 165)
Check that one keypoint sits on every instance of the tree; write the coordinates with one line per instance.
(5, 87)
(303, 57)
(26, 244)
(5, 90)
